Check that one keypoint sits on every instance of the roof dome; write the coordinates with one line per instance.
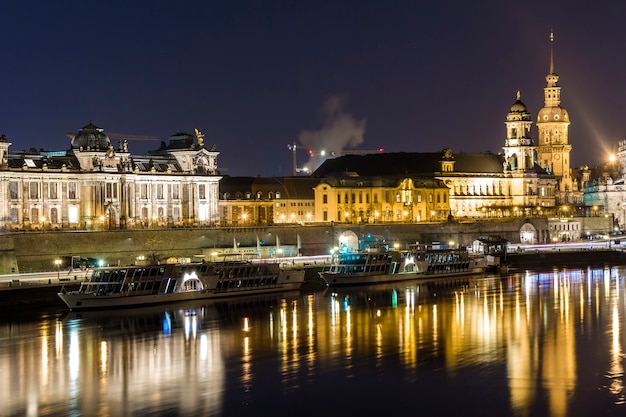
(92, 137)
(518, 106)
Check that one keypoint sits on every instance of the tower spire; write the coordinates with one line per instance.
(551, 51)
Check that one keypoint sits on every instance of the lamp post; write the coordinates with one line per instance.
(57, 262)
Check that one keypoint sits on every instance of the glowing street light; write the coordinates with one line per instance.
(57, 262)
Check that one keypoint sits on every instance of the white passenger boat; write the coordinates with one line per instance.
(116, 287)
(383, 266)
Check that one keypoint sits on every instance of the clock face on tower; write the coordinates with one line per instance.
(557, 156)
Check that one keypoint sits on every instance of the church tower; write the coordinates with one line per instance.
(519, 149)
(553, 149)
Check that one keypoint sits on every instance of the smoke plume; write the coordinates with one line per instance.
(340, 130)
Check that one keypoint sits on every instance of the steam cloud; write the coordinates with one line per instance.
(340, 130)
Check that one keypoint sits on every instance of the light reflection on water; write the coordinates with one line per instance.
(548, 344)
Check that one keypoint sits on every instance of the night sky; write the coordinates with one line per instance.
(255, 76)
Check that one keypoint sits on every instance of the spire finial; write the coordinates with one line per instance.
(518, 96)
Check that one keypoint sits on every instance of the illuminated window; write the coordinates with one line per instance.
(72, 214)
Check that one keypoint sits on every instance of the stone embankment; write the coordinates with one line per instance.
(565, 259)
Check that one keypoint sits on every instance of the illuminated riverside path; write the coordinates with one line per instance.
(530, 344)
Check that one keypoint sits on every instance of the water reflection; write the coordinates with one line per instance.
(528, 344)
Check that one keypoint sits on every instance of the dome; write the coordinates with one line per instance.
(92, 137)
(518, 106)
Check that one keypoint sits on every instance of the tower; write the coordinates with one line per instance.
(553, 149)
(519, 149)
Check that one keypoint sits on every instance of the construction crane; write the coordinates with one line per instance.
(293, 148)
(336, 154)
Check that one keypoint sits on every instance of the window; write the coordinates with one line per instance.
(72, 214)
(176, 214)
(71, 190)
(34, 215)
(325, 216)
(338, 198)
(14, 187)
(54, 215)
(160, 191)
(325, 199)
(33, 190)
(175, 192)
(53, 188)
(375, 198)
(430, 197)
(143, 191)
(203, 212)
(15, 215)
(419, 197)
(360, 198)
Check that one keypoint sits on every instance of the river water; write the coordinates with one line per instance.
(530, 344)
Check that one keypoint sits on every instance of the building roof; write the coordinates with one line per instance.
(409, 164)
(285, 187)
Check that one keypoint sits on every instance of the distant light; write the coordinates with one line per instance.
(381, 150)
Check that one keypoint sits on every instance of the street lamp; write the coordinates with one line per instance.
(57, 262)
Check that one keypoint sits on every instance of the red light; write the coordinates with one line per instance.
(310, 152)
(380, 149)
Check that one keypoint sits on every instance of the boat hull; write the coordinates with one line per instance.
(361, 279)
(82, 301)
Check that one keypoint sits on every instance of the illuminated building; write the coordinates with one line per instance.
(266, 201)
(93, 186)
(554, 148)
(355, 199)
(606, 192)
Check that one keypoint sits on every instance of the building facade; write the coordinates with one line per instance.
(93, 186)
(355, 199)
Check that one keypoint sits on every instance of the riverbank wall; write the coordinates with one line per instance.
(36, 251)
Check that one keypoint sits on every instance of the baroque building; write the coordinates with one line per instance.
(94, 186)
(354, 199)
(605, 190)
(554, 148)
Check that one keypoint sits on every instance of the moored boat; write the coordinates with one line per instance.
(117, 287)
(384, 266)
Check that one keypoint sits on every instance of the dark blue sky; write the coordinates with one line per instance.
(254, 76)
